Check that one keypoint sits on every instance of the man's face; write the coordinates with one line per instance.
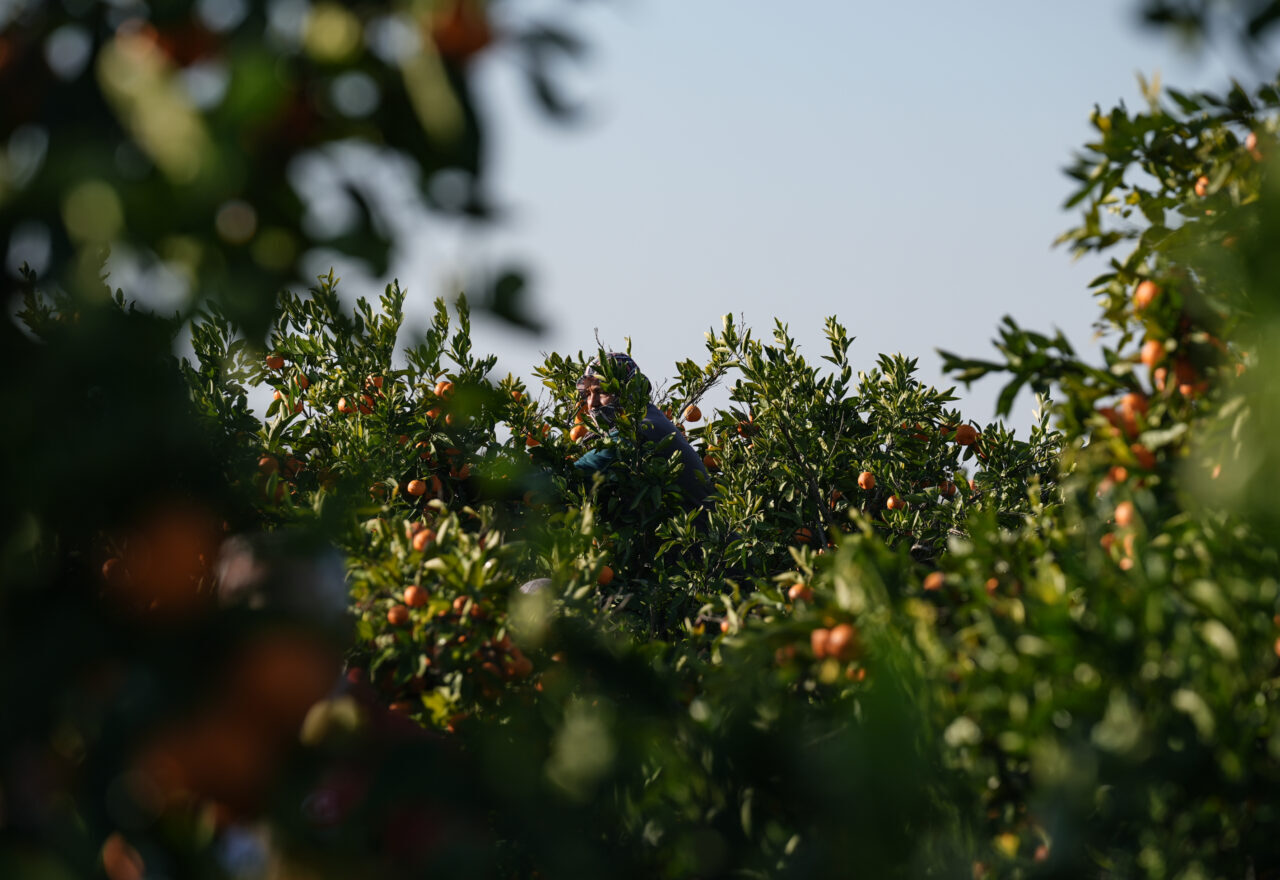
(593, 398)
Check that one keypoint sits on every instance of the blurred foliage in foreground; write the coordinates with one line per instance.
(213, 145)
(898, 643)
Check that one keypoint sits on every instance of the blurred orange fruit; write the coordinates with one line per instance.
(842, 642)
(1124, 514)
(1145, 294)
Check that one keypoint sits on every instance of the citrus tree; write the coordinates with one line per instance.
(387, 626)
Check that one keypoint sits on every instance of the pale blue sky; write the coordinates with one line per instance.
(896, 164)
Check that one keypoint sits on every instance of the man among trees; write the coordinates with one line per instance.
(614, 385)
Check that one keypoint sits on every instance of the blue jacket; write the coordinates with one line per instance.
(695, 482)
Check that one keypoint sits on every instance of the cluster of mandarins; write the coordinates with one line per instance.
(437, 634)
(1183, 360)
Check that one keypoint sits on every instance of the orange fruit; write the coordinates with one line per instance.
(517, 396)
(895, 503)
(1145, 294)
(1106, 541)
(422, 539)
(1128, 410)
(444, 388)
(605, 577)
(1251, 144)
(374, 382)
(934, 580)
(992, 584)
(1152, 352)
(724, 626)
(366, 405)
(1133, 403)
(1146, 459)
(800, 592)
(818, 640)
(112, 570)
(343, 406)
(710, 463)
(268, 465)
(1159, 376)
(1202, 186)
(304, 381)
(966, 435)
(578, 432)
(842, 642)
(692, 413)
(1124, 514)
(460, 30)
(947, 488)
(416, 488)
(415, 596)
(802, 535)
(397, 615)
(866, 481)
(275, 362)
(120, 861)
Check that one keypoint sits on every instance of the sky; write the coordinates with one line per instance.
(898, 165)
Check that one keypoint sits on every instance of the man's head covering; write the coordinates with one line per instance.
(622, 367)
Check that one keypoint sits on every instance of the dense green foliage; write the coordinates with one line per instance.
(894, 643)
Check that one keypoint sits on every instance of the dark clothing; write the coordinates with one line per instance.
(695, 482)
